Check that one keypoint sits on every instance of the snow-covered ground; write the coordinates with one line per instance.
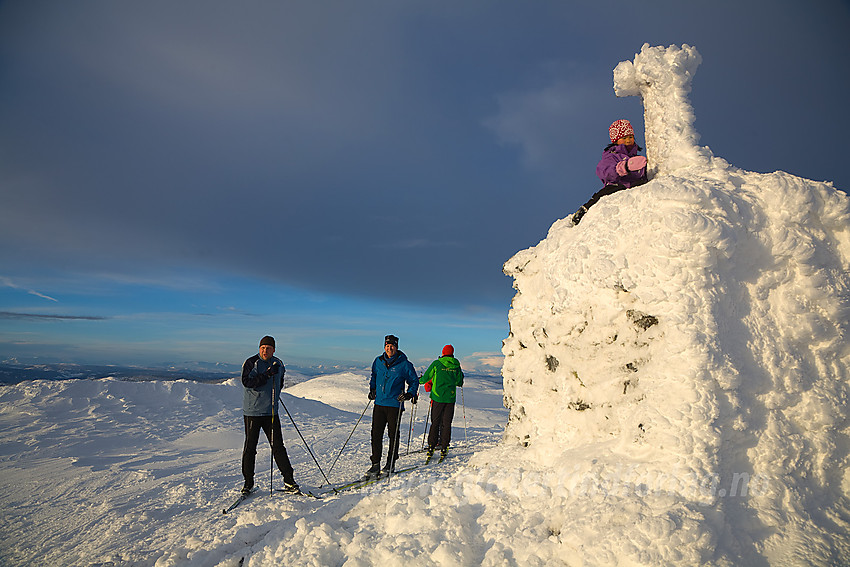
(99, 472)
(677, 376)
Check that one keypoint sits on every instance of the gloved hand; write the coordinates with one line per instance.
(636, 163)
(628, 165)
(405, 396)
(428, 385)
(372, 394)
(270, 371)
(254, 380)
(264, 377)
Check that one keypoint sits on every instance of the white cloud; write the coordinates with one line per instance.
(488, 362)
(9, 283)
(539, 121)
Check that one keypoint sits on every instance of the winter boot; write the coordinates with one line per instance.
(578, 214)
(389, 468)
(374, 470)
(429, 455)
(291, 486)
(249, 486)
(443, 454)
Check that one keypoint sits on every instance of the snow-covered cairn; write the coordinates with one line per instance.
(685, 349)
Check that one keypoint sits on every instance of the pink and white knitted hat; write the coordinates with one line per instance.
(620, 129)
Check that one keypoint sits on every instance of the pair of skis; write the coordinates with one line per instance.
(370, 479)
(362, 482)
(245, 495)
(242, 498)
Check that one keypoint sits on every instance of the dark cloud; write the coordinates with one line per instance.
(43, 317)
(385, 149)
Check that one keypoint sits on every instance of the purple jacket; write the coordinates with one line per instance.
(610, 157)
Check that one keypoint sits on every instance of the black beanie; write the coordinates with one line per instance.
(267, 340)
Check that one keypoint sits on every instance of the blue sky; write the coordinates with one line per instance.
(179, 179)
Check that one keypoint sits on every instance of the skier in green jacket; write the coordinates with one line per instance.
(444, 376)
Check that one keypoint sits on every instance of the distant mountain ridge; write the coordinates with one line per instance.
(13, 372)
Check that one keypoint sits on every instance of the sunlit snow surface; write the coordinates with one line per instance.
(677, 381)
(98, 472)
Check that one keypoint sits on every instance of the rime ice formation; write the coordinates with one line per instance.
(685, 351)
(662, 78)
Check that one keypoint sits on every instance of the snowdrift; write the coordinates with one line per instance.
(682, 355)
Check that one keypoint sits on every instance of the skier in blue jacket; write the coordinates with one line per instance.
(262, 378)
(391, 372)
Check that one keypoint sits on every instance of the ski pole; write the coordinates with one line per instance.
(463, 403)
(271, 459)
(349, 437)
(305, 442)
(271, 436)
(394, 445)
(425, 430)
(412, 419)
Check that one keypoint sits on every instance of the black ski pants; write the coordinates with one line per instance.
(442, 415)
(385, 418)
(604, 192)
(253, 426)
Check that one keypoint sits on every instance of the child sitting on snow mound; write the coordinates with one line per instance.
(620, 167)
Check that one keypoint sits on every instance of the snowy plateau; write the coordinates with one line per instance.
(674, 392)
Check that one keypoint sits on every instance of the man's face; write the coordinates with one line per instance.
(390, 349)
(266, 352)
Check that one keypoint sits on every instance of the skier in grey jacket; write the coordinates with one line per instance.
(262, 378)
